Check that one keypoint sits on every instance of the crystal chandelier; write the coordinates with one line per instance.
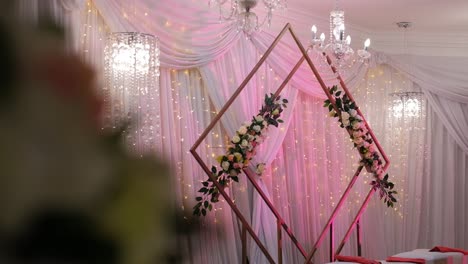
(407, 105)
(131, 88)
(338, 46)
(240, 11)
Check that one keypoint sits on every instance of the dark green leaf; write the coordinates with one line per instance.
(213, 169)
(198, 198)
(235, 178)
(273, 122)
(339, 103)
(203, 190)
(280, 121)
(203, 211)
(205, 204)
(338, 93)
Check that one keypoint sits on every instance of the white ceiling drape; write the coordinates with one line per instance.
(191, 36)
(444, 81)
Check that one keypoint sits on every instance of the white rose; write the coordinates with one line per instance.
(259, 118)
(260, 168)
(345, 118)
(225, 165)
(358, 141)
(233, 173)
(235, 139)
(356, 124)
(242, 130)
(357, 134)
(244, 143)
(250, 137)
(352, 112)
(368, 154)
(264, 123)
(257, 128)
(275, 112)
(238, 156)
(332, 113)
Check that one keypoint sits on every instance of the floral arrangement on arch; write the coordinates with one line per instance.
(240, 152)
(350, 119)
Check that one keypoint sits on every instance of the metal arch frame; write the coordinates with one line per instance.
(281, 224)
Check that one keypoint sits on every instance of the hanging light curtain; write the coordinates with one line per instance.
(132, 88)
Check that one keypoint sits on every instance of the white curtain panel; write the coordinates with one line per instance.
(65, 12)
(444, 81)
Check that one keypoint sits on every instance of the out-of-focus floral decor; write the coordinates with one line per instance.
(69, 191)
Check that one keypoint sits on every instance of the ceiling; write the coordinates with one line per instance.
(428, 16)
(439, 28)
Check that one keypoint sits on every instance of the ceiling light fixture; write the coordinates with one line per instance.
(131, 88)
(240, 11)
(407, 105)
(338, 45)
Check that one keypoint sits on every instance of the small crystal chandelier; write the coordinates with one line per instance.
(240, 11)
(338, 45)
(131, 88)
(407, 105)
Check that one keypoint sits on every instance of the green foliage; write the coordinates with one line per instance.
(240, 153)
(341, 106)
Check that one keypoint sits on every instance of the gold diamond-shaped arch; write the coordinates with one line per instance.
(246, 228)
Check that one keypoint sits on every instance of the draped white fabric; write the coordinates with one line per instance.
(444, 80)
(66, 13)
(204, 61)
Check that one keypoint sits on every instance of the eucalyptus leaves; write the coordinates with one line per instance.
(240, 153)
(350, 119)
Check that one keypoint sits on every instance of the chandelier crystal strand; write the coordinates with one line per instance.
(132, 89)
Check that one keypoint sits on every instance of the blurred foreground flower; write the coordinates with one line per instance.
(68, 192)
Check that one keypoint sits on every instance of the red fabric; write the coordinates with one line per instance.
(356, 259)
(411, 260)
(447, 249)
